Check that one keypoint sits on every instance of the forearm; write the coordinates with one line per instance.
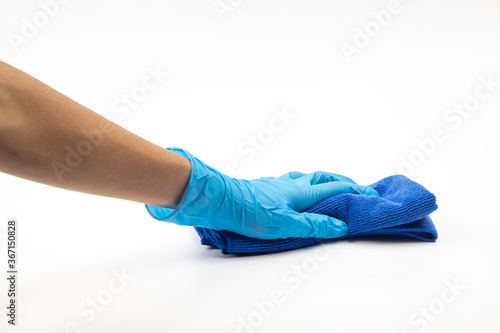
(48, 138)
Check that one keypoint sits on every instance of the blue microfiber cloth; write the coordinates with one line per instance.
(402, 209)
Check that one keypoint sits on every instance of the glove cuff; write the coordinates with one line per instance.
(197, 201)
(170, 214)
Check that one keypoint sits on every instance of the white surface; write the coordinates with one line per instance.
(225, 78)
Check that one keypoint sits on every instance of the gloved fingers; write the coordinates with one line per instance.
(317, 177)
(324, 191)
(292, 175)
(318, 225)
(320, 177)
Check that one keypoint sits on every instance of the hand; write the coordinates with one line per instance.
(267, 208)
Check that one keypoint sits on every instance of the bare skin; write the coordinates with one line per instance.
(48, 138)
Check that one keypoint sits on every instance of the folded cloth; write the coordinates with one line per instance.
(402, 209)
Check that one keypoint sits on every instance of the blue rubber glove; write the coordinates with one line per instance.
(266, 208)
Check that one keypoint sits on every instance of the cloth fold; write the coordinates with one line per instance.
(402, 209)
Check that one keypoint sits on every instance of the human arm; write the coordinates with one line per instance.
(40, 128)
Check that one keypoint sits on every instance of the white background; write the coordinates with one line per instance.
(226, 75)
